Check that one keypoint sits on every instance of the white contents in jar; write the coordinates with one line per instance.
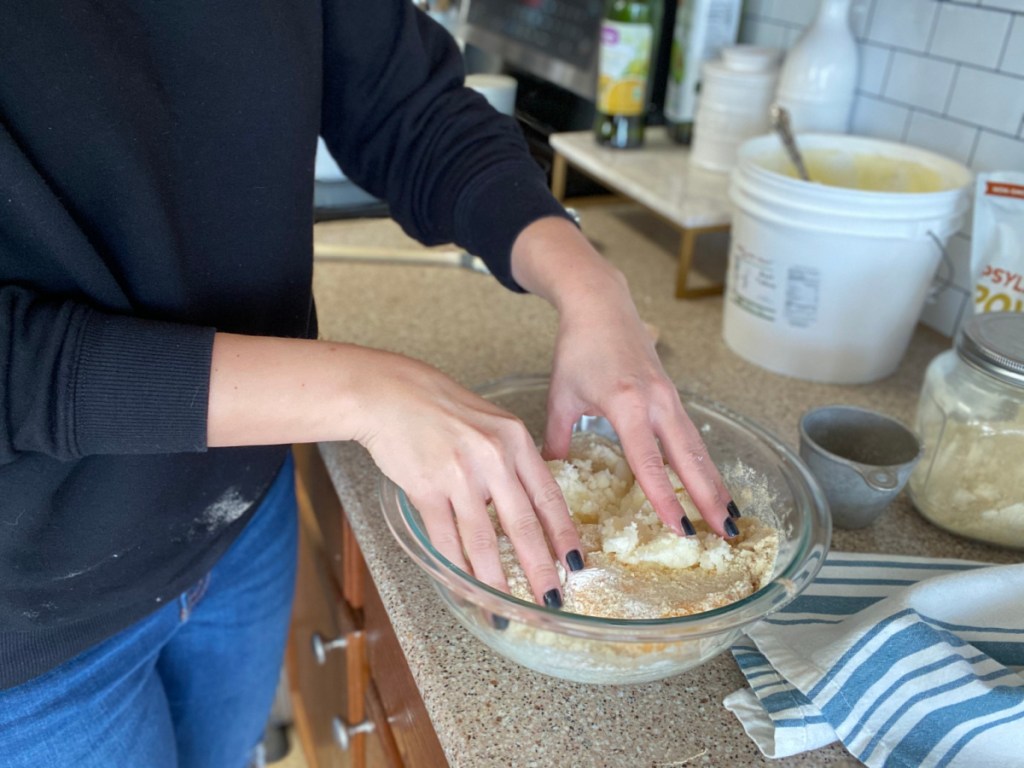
(636, 567)
(974, 486)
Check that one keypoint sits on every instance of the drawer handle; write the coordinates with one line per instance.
(322, 647)
(344, 733)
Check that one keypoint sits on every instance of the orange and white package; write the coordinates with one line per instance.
(997, 242)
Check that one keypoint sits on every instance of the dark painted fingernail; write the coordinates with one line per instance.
(575, 560)
(688, 528)
(730, 527)
(733, 510)
(553, 598)
(500, 622)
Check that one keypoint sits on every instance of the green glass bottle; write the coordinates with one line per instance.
(702, 29)
(624, 60)
(678, 125)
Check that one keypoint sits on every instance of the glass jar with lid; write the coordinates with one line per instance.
(971, 421)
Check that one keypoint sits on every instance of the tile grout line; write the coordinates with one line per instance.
(952, 90)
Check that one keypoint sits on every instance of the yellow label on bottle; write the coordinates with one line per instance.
(622, 68)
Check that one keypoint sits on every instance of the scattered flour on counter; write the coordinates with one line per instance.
(636, 567)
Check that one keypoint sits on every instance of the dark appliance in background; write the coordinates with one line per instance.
(550, 47)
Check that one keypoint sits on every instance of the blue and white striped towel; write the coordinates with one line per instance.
(907, 661)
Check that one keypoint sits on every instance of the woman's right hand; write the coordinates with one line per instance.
(450, 450)
(453, 453)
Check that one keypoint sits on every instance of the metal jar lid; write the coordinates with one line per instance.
(994, 343)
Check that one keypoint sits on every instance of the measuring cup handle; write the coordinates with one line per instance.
(881, 479)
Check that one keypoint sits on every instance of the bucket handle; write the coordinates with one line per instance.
(939, 283)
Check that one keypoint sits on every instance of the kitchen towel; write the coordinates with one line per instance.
(907, 661)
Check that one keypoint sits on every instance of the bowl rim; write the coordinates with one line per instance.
(812, 545)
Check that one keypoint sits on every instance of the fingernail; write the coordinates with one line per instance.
(688, 528)
(500, 622)
(733, 510)
(730, 527)
(553, 598)
(575, 560)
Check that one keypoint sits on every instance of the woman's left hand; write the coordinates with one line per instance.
(605, 364)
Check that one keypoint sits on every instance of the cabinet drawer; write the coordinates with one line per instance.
(403, 707)
(339, 545)
(326, 660)
(374, 733)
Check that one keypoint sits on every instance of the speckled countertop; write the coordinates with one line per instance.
(488, 711)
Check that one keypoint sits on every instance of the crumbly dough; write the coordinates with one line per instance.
(636, 568)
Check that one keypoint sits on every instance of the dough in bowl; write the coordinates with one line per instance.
(636, 568)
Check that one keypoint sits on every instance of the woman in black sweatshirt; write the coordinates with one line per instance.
(157, 331)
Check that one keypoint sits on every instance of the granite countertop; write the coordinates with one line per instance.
(488, 711)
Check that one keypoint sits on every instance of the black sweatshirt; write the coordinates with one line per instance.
(156, 179)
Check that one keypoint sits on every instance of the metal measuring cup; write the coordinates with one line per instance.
(861, 458)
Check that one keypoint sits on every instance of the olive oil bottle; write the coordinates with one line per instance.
(624, 61)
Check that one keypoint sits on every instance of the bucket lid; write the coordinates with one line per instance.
(994, 344)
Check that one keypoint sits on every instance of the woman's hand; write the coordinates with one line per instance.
(605, 365)
(453, 452)
(450, 450)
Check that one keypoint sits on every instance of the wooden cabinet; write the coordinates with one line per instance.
(326, 663)
(355, 701)
(409, 722)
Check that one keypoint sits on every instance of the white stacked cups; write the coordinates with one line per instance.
(736, 94)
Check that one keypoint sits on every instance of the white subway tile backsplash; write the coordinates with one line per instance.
(874, 66)
(958, 253)
(799, 12)
(998, 153)
(1013, 56)
(759, 32)
(1017, 6)
(946, 311)
(758, 7)
(873, 117)
(988, 99)
(941, 135)
(903, 23)
(919, 81)
(946, 75)
(791, 35)
(860, 17)
(970, 35)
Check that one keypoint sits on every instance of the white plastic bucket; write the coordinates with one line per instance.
(827, 282)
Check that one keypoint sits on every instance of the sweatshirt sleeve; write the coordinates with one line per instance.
(75, 381)
(401, 124)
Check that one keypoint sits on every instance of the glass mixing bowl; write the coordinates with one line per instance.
(767, 479)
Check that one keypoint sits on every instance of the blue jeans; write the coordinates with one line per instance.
(189, 686)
